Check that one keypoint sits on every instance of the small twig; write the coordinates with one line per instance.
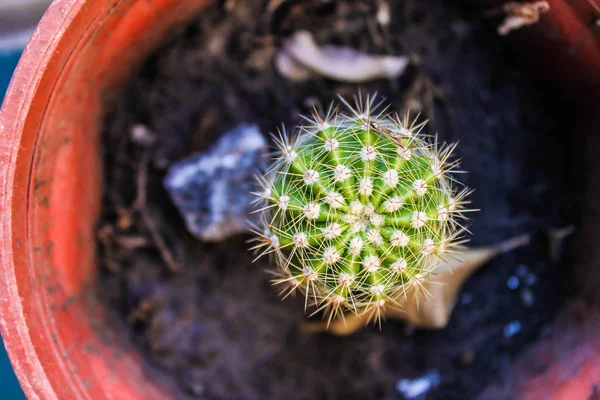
(148, 218)
(132, 242)
(105, 236)
(556, 238)
(142, 182)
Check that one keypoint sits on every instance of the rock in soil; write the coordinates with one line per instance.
(212, 189)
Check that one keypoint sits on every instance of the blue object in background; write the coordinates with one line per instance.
(9, 386)
(8, 62)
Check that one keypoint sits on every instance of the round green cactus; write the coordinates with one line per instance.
(358, 208)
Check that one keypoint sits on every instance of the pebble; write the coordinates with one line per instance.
(142, 135)
(415, 388)
(527, 297)
(211, 189)
(513, 282)
(512, 329)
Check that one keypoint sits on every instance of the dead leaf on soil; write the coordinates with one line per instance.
(301, 58)
(519, 15)
(434, 310)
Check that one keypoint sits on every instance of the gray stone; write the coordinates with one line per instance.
(212, 189)
(512, 329)
(418, 387)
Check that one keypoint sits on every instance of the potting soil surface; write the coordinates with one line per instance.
(206, 318)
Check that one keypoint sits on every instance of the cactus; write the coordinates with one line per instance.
(358, 208)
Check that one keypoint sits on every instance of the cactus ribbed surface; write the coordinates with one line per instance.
(357, 209)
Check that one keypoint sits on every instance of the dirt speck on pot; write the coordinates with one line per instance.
(207, 319)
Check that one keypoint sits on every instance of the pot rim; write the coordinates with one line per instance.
(36, 57)
(53, 29)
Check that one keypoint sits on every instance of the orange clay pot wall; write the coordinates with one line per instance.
(50, 188)
(51, 181)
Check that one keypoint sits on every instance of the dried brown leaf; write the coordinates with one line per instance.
(434, 310)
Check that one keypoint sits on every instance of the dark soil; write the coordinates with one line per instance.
(207, 317)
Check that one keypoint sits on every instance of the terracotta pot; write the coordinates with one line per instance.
(50, 183)
(562, 366)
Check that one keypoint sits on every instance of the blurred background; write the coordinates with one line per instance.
(17, 21)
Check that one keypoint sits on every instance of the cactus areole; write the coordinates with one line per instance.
(358, 208)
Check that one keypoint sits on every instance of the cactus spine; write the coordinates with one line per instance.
(357, 209)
